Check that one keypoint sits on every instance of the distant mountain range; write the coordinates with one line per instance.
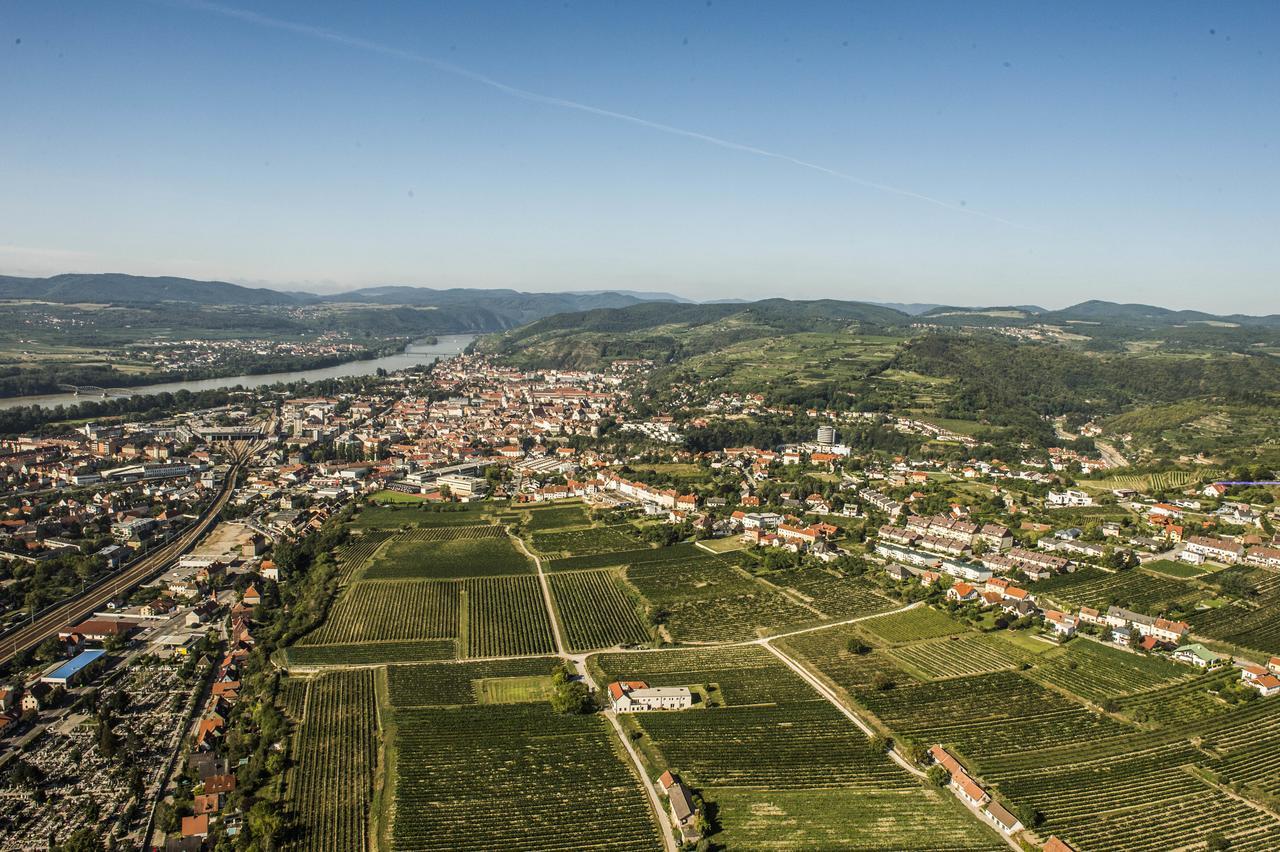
(507, 308)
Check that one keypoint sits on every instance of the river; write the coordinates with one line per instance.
(413, 354)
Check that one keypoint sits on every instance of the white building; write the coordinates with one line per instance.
(636, 696)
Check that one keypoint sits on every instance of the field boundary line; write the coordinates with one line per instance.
(547, 600)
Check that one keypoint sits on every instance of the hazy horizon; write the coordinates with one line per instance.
(928, 153)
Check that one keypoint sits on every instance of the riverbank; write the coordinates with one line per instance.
(419, 352)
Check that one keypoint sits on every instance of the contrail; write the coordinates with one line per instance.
(564, 103)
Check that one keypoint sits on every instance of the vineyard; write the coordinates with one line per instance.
(707, 598)
(1252, 622)
(293, 697)
(848, 819)
(597, 610)
(389, 612)
(835, 595)
(337, 750)
(828, 652)
(744, 674)
(982, 714)
(514, 777)
(394, 516)
(1097, 672)
(557, 516)
(1152, 594)
(463, 557)
(633, 556)
(357, 551)
(1167, 480)
(370, 653)
(922, 622)
(785, 768)
(1185, 701)
(800, 745)
(452, 684)
(453, 533)
(585, 542)
(506, 616)
(959, 655)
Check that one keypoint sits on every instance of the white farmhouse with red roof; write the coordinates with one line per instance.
(635, 696)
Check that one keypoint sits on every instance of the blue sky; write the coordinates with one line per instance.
(964, 153)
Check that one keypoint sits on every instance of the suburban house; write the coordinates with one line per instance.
(1062, 623)
(1196, 654)
(1005, 821)
(633, 696)
(1260, 679)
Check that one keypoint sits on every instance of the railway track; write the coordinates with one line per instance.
(75, 608)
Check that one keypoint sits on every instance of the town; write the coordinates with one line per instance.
(931, 567)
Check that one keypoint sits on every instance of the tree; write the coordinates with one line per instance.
(938, 775)
(167, 817)
(265, 824)
(51, 649)
(83, 840)
(857, 646)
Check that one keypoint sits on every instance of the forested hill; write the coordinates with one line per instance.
(1002, 382)
(667, 332)
(475, 309)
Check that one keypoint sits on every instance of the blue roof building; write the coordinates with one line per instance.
(69, 672)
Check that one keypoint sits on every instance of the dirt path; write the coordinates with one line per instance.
(546, 598)
(655, 800)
